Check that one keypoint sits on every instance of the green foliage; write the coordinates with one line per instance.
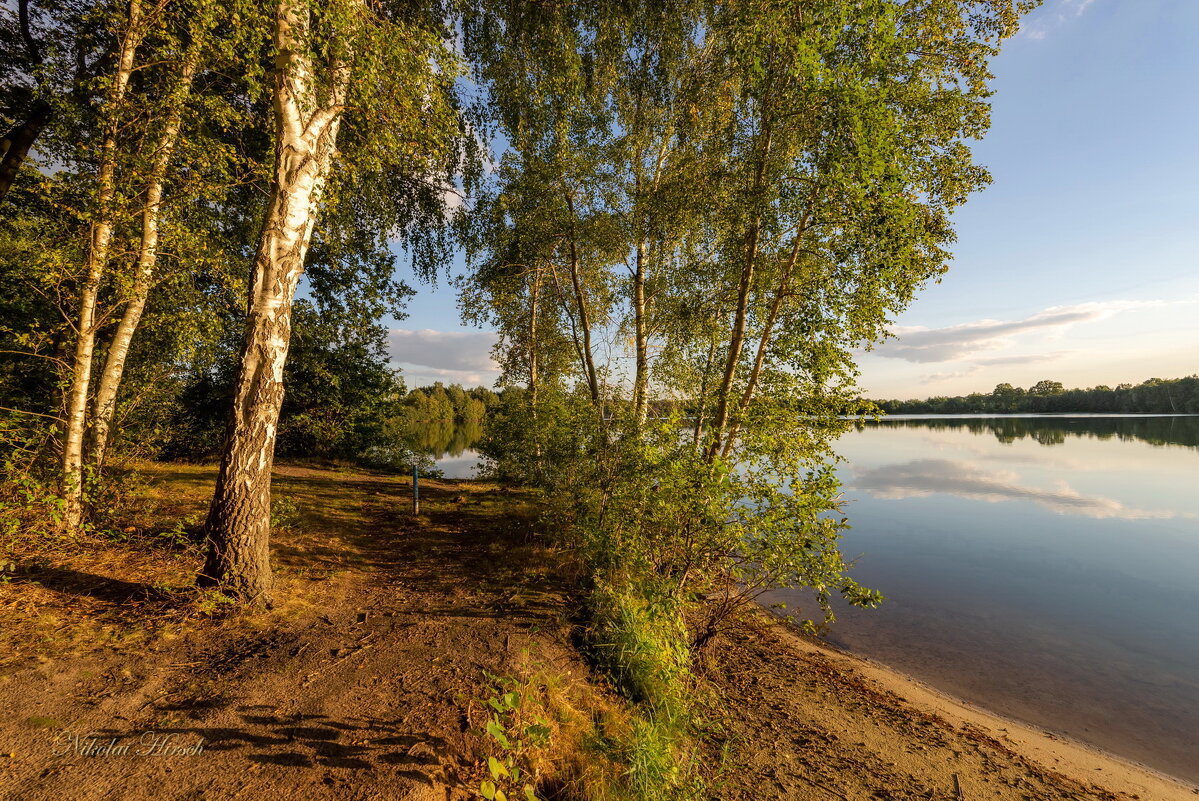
(519, 734)
(1155, 396)
(284, 512)
(342, 394)
(642, 644)
(30, 508)
(702, 210)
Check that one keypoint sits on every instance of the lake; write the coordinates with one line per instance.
(1042, 567)
(449, 444)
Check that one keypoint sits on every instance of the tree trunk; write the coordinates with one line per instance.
(95, 265)
(736, 342)
(702, 403)
(534, 349)
(741, 317)
(640, 340)
(118, 349)
(534, 310)
(238, 525)
(15, 145)
(584, 314)
(755, 372)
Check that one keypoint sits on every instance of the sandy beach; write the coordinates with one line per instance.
(814, 723)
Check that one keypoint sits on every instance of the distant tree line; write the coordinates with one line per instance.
(1154, 430)
(1155, 396)
(440, 403)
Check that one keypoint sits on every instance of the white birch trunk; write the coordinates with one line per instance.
(95, 265)
(238, 525)
(118, 349)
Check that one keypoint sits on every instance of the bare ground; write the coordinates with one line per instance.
(366, 679)
(368, 688)
(810, 722)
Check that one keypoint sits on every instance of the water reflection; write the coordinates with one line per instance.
(921, 477)
(1044, 567)
(449, 443)
(1054, 429)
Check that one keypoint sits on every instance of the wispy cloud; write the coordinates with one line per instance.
(417, 376)
(992, 361)
(445, 351)
(1058, 14)
(924, 477)
(959, 342)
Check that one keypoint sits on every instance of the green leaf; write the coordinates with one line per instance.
(496, 767)
(529, 794)
(497, 733)
(488, 790)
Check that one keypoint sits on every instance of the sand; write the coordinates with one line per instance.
(812, 722)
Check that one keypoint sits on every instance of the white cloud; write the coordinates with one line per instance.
(417, 376)
(444, 351)
(1052, 16)
(960, 342)
(924, 477)
(991, 361)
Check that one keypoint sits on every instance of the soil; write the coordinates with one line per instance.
(369, 690)
(810, 722)
(367, 679)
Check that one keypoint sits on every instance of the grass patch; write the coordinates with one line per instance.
(42, 722)
(642, 646)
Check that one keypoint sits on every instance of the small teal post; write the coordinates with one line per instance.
(415, 488)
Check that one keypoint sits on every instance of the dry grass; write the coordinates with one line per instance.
(131, 580)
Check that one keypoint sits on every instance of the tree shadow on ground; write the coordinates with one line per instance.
(88, 585)
(306, 741)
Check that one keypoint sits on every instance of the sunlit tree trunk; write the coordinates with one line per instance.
(118, 349)
(640, 339)
(238, 525)
(94, 267)
(741, 315)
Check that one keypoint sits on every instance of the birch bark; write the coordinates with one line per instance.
(238, 524)
(118, 350)
(95, 264)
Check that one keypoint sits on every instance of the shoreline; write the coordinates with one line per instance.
(942, 698)
(922, 735)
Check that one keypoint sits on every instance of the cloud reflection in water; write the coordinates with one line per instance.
(924, 477)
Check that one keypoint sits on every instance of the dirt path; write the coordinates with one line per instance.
(367, 693)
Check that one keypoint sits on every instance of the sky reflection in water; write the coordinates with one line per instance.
(1043, 567)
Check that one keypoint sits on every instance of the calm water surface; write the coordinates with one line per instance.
(1046, 568)
(449, 444)
(1043, 567)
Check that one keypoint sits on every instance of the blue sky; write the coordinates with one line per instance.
(1078, 263)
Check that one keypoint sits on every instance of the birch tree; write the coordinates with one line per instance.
(782, 174)
(102, 225)
(391, 65)
(147, 252)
